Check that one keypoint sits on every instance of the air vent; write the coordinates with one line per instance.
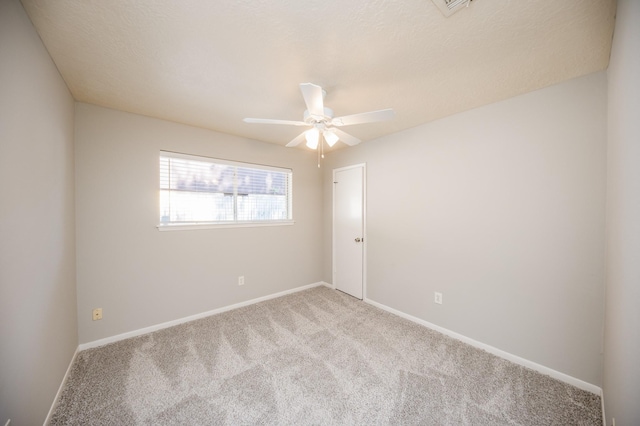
(449, 7)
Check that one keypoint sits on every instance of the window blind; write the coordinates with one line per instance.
(202, 190)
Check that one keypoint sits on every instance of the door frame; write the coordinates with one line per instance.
(364, 225)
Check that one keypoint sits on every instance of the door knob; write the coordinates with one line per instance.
(358, 240)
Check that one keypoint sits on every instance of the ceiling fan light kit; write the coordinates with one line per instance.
(321, 120)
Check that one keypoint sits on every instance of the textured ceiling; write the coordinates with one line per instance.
(212, 63)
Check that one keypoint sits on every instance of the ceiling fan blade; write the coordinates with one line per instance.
(312, 94)
(364, 117)
(346, 137)
(297, 140)
(270, 121)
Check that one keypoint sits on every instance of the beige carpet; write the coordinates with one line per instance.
(313, 357)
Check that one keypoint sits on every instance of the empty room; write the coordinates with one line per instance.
(296, 212)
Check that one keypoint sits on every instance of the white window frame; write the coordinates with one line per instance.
(180, 226)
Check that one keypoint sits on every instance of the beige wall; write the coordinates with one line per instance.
(622, 322)
(501, 209)
(38, 334)
(143, 277)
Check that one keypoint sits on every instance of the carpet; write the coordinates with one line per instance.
(316, 357)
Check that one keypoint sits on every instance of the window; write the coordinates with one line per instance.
(201, 191)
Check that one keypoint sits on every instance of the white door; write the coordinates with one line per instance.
(348, 229)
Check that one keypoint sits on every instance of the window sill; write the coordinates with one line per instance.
(194, 226)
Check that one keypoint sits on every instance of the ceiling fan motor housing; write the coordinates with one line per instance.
(312, 119)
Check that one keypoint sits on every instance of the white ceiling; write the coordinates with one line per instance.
(211, 63)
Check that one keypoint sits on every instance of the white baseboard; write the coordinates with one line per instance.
(495, 351)
(141, 331)
(64, 382)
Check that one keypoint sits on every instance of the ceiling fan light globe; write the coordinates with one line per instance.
(330, 137)
(312, 136)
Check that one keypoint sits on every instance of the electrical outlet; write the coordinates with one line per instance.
(97, 314)
(241, 280)
(437, 297)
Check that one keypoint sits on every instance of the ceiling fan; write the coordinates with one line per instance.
(322, 121)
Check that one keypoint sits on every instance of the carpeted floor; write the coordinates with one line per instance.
(313, 357)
